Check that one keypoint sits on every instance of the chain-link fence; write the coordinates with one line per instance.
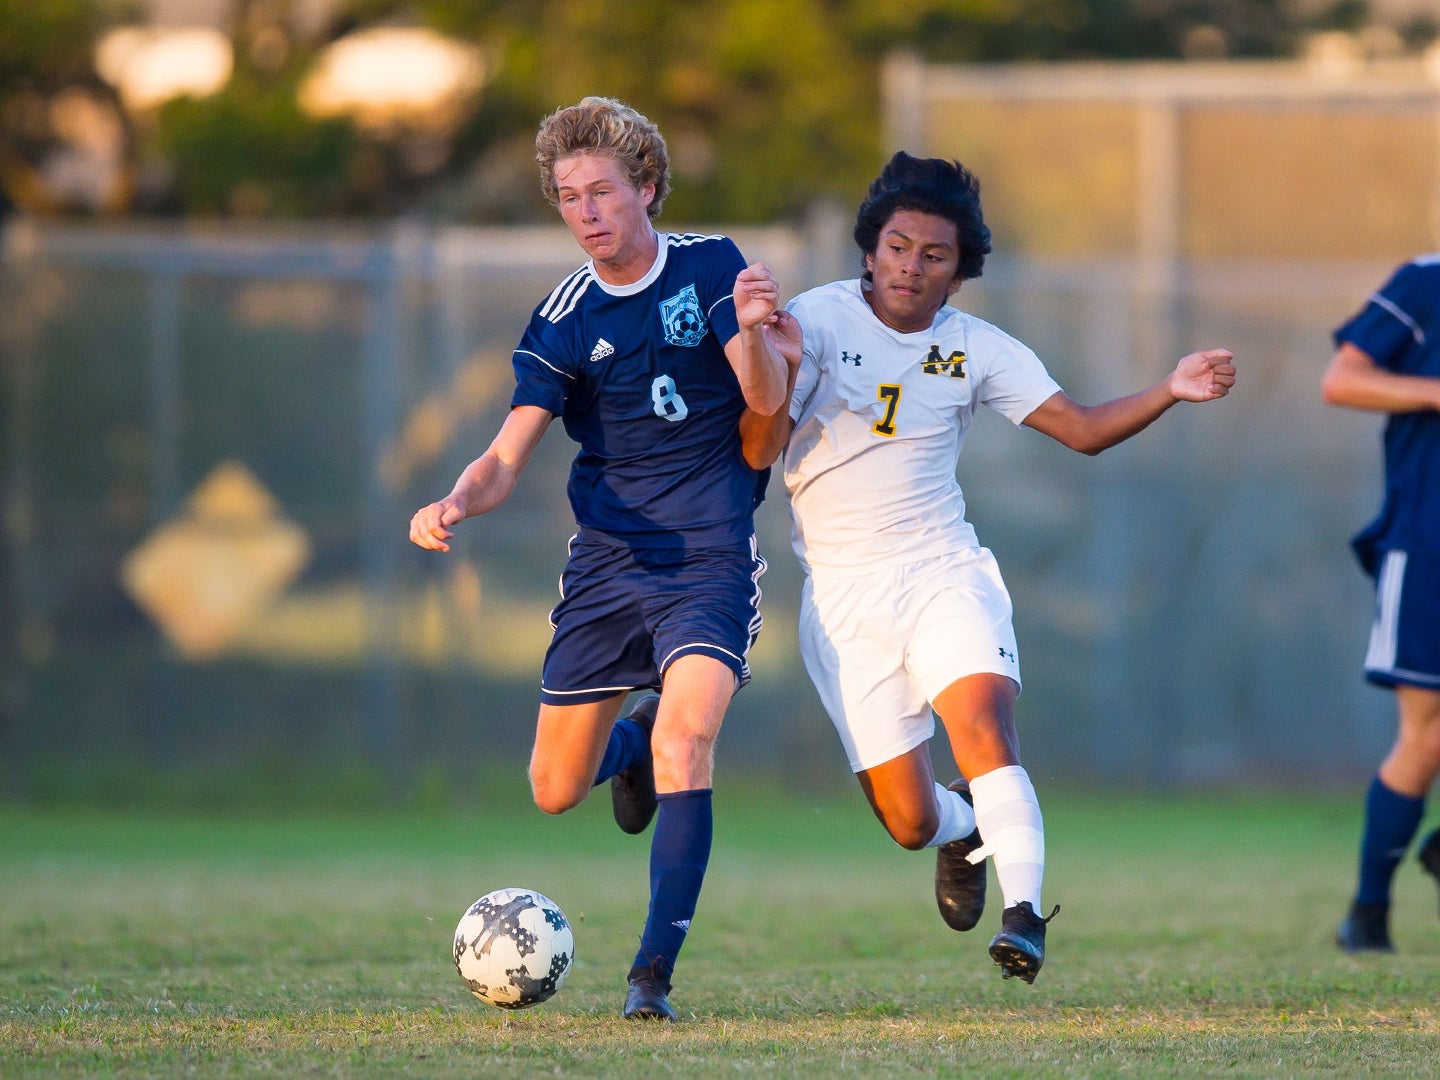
(213, 443)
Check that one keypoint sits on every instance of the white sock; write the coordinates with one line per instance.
(1008, 815)
(957, 819)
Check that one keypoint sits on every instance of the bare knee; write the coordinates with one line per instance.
(901, 793)
(1425, 754)
(911, 831)
(1414, 760)
(1429, 742)
(555, 794)
(684, 760)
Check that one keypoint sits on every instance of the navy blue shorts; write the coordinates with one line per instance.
(1405, 639)
(625, 615)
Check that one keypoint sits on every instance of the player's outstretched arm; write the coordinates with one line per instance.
(486, 482)
(1200, 376)
(1354, 380)
(756, 352)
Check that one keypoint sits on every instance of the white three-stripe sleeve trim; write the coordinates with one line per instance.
(566, 295)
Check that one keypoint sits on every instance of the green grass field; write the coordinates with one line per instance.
(1194, 940)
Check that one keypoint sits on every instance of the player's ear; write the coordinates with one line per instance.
(954, 286)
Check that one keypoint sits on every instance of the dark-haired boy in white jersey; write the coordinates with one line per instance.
(903, 614)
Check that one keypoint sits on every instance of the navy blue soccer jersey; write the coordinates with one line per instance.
(639, 376)
(1399, 328)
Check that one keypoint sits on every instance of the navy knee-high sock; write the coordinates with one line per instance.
(1391, 820)
(679, 854)
(628, 743)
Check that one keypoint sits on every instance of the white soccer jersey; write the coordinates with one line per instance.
(892, 409)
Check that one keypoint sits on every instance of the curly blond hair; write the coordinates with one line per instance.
(600, 125)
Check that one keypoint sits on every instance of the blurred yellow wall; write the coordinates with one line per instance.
(1240, 159)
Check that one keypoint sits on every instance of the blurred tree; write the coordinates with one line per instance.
(767, 105)
(55, 112)
(764, 108)
(252, 152)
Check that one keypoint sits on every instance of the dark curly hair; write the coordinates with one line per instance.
(929, 186)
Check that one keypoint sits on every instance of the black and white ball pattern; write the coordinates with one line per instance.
(514, 948)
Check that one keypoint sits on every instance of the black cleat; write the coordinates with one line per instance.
(959, 883)
(1429, 855)
(1019, 947)
(632, 790)
(648, 996)
(1366, 929)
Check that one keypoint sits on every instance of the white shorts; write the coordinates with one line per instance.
(881, 646)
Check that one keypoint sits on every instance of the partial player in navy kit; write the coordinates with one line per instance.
(649, 353)
(1387, 359)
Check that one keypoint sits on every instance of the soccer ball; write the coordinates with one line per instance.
(514, 948)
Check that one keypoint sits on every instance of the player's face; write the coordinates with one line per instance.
(914, 267)
(607, 215)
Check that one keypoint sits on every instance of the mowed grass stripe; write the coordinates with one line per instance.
(1194, 939)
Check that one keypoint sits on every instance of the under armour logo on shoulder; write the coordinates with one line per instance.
(601, 350)
(847, 358)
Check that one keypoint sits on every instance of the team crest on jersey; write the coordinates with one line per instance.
(684, 322)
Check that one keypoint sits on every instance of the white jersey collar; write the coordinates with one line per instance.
(946, 312)
(662, 247)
